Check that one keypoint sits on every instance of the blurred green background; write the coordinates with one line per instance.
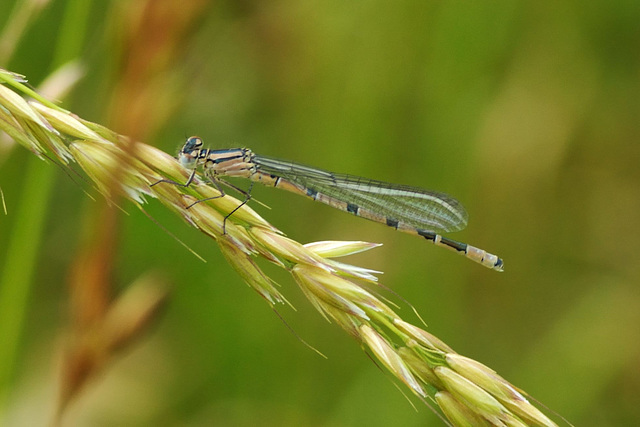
(527, 112)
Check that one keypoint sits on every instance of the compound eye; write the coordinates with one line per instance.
(193, 143)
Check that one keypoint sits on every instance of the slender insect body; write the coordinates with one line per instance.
(408, 209)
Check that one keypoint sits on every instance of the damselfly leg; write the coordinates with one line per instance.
(217, 183)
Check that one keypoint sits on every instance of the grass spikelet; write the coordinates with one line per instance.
(249, 271)
(16, 105)
(490, 381)
(387, 354)
(317, 285)
(335, 249)
(66, 123)
(457, 412)
(465, 390)
(423, 337)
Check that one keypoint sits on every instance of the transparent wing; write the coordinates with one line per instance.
(419, 208)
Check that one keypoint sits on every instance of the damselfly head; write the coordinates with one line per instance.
(188, 155)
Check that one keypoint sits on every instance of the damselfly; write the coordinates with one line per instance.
(409, 209)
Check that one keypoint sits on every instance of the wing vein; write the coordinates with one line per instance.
(413, 206)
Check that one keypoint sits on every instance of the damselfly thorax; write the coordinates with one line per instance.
(409, 209)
